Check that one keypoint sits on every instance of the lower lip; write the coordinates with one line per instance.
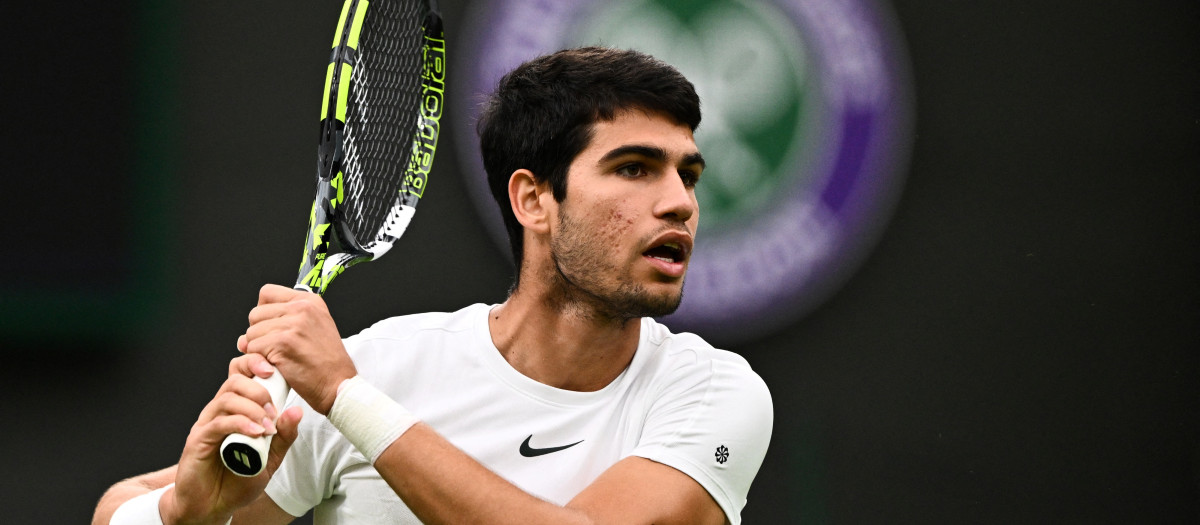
(671, 269)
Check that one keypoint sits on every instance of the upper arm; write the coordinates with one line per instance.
(637, 490)
(264, 510)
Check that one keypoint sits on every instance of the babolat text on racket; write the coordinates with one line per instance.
(380, 117)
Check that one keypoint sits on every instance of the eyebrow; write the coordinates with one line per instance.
(694, 158)
(650, 152)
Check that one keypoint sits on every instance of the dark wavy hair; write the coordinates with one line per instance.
(541, 115)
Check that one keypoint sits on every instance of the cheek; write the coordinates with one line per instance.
(617, 226)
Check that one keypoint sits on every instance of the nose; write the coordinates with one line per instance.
(676, 200)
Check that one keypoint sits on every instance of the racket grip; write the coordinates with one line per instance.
(247, 456)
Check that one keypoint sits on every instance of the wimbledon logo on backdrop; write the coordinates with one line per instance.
(806, 128)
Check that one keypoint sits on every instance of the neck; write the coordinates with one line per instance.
(566, 346)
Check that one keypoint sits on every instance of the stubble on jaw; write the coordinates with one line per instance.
(588, 283)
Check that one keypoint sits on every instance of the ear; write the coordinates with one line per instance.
(532, 202)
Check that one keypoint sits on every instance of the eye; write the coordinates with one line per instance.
(632, 170)
(690, 178)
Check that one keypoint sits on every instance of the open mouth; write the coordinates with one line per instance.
(672, 252)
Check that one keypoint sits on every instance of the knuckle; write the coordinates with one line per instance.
(311, 303)
(305, 306)
(223, 400)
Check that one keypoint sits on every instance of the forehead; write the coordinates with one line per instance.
(639, 128)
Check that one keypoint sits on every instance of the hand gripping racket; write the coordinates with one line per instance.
(379, 127)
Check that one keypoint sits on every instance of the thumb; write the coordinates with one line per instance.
(287, 427)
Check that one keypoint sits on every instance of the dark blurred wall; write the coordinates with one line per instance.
(1020, 346)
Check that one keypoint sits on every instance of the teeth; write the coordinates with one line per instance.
(674, 252)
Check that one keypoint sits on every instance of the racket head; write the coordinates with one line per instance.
(380, 121)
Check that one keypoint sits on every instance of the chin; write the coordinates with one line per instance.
(649, 304)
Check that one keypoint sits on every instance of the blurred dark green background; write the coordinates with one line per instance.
(1021, 346)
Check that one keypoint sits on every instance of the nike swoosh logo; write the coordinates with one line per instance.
(531, 452)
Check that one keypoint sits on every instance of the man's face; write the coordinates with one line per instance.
(625, 229)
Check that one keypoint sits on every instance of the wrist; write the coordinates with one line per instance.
(170, 510)
(342, 386)
(143, 509)
(368, 418)
(324, 404)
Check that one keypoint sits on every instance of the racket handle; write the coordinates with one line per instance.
(247, 456)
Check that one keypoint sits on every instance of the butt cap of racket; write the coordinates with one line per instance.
(247, 456)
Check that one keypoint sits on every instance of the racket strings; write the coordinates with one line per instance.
(381, 121)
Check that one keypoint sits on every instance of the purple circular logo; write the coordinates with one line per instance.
(807, 128)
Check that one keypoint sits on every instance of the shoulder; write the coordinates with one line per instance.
(416, 325)
(692, 383)
(401, 339)
(686, 357)
(710, 415)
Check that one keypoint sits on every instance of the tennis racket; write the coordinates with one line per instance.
(380, 117)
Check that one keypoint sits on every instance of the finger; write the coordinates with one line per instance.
(230, 403)
(287, 318)
(288, 428)
(264, 339)
(267, 311)
(238, 394)
(273, 293)
(257, 316)
(214, 432)
(264, 326)
(250, 365)
(239, 385)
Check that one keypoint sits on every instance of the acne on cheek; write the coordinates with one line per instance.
(616, 227)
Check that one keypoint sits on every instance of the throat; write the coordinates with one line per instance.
(562, 352)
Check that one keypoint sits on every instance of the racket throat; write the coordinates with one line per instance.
(330, 247)
(330, 153)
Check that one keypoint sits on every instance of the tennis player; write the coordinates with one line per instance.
(565, 404)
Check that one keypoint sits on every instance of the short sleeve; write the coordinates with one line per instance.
(306, 477)
(713, 422)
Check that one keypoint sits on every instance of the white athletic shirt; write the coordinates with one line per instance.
(681, 402)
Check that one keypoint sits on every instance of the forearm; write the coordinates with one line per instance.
(442, 484)
(207, 491)
(438, 482)
(129, 489)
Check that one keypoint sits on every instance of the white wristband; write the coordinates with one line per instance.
(141, 510)
(368, 417)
